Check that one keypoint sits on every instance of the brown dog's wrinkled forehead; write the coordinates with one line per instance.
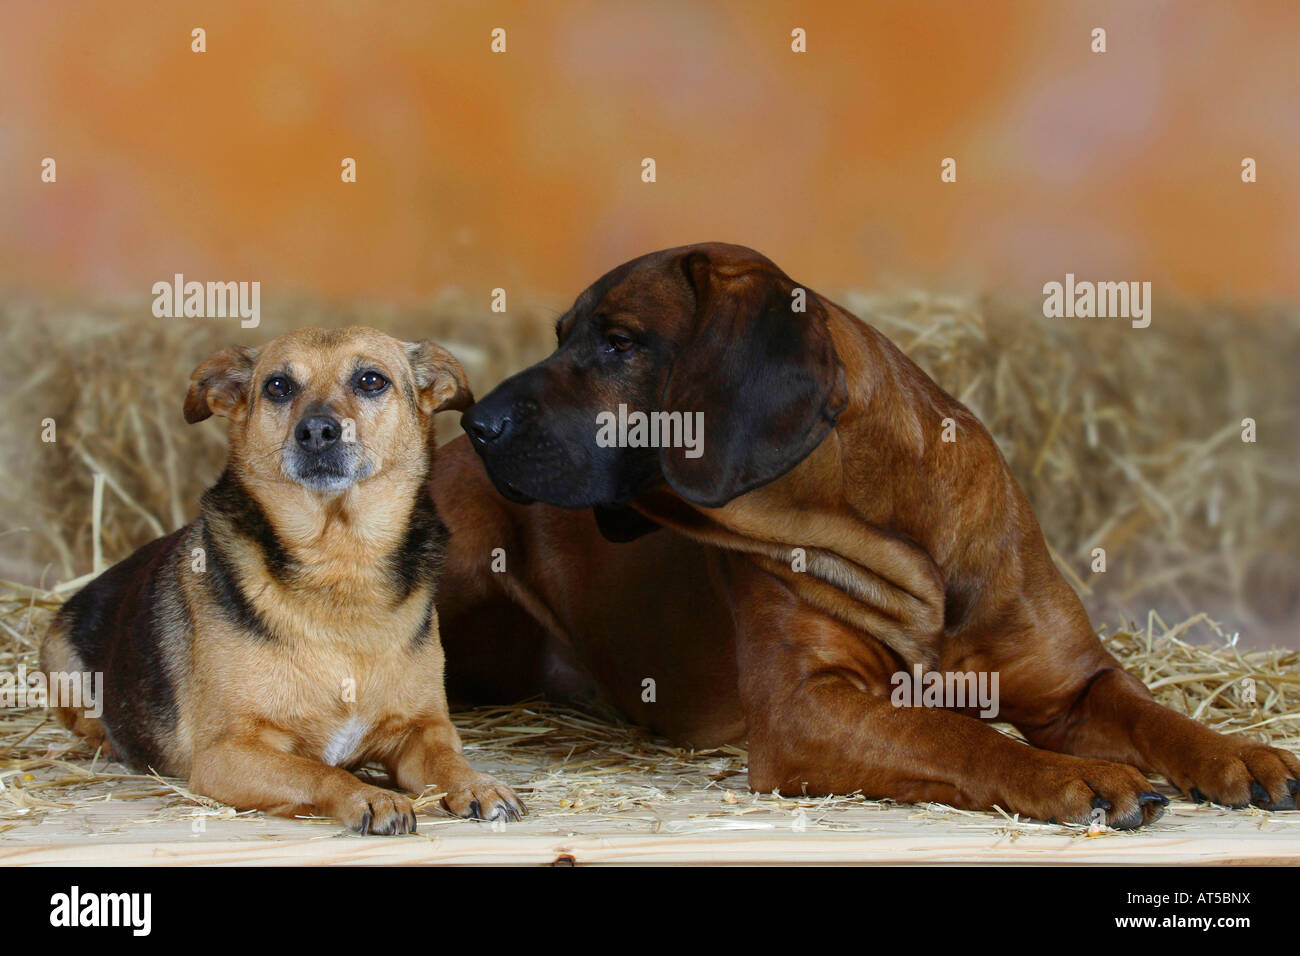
(639, 284)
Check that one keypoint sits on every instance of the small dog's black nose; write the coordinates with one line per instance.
(317, 432)
(483, 425)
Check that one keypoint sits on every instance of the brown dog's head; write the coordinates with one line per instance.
(326, 409)
(712, 334)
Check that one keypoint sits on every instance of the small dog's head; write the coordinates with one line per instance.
(327, 409)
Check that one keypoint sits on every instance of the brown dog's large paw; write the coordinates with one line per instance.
(1078, 787)
(481, 797)
(375, 810)
(1240, 773)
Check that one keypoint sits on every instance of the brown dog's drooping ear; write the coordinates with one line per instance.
(766, 377)
(219, 386)
(439, 379)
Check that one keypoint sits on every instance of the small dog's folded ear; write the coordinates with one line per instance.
(439, 378)
(219, 386)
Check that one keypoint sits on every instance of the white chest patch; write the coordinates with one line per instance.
(345, 741)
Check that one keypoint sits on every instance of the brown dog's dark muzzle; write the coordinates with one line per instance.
(493, 425)
(490, 419)
(548, 452)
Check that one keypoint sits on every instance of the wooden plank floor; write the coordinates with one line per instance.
(702, 820)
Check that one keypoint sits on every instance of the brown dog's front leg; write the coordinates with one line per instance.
(820, 719)
(832, 737)
(430, 756)
(249, 773)
(1114, 718)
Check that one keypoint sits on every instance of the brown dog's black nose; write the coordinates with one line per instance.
(317, 432)
(484, 424)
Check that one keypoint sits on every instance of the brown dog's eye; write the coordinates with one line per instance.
(371, 382)
(619, 343)
(279, 388)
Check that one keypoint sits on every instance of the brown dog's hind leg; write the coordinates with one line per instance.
(1114, 718)
(251, 772)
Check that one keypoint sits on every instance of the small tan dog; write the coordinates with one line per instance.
(289, 633)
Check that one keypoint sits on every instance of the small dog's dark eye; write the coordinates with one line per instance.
(371, 382)
(618, 342)
(279, 388)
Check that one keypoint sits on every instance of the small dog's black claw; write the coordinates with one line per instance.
(1100, 803)
(1150, 796)
(1293, 786)
(1197, 796)
(475, 811)
(1258, 795)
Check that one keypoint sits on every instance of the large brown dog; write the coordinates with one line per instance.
(289, 634)
(821, 436)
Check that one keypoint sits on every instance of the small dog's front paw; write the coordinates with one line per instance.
(375, 810)
(481, 797)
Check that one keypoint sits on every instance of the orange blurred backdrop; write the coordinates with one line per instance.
(522, 169)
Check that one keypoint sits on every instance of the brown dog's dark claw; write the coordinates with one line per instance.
(1260, 797)
(1152, 806)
